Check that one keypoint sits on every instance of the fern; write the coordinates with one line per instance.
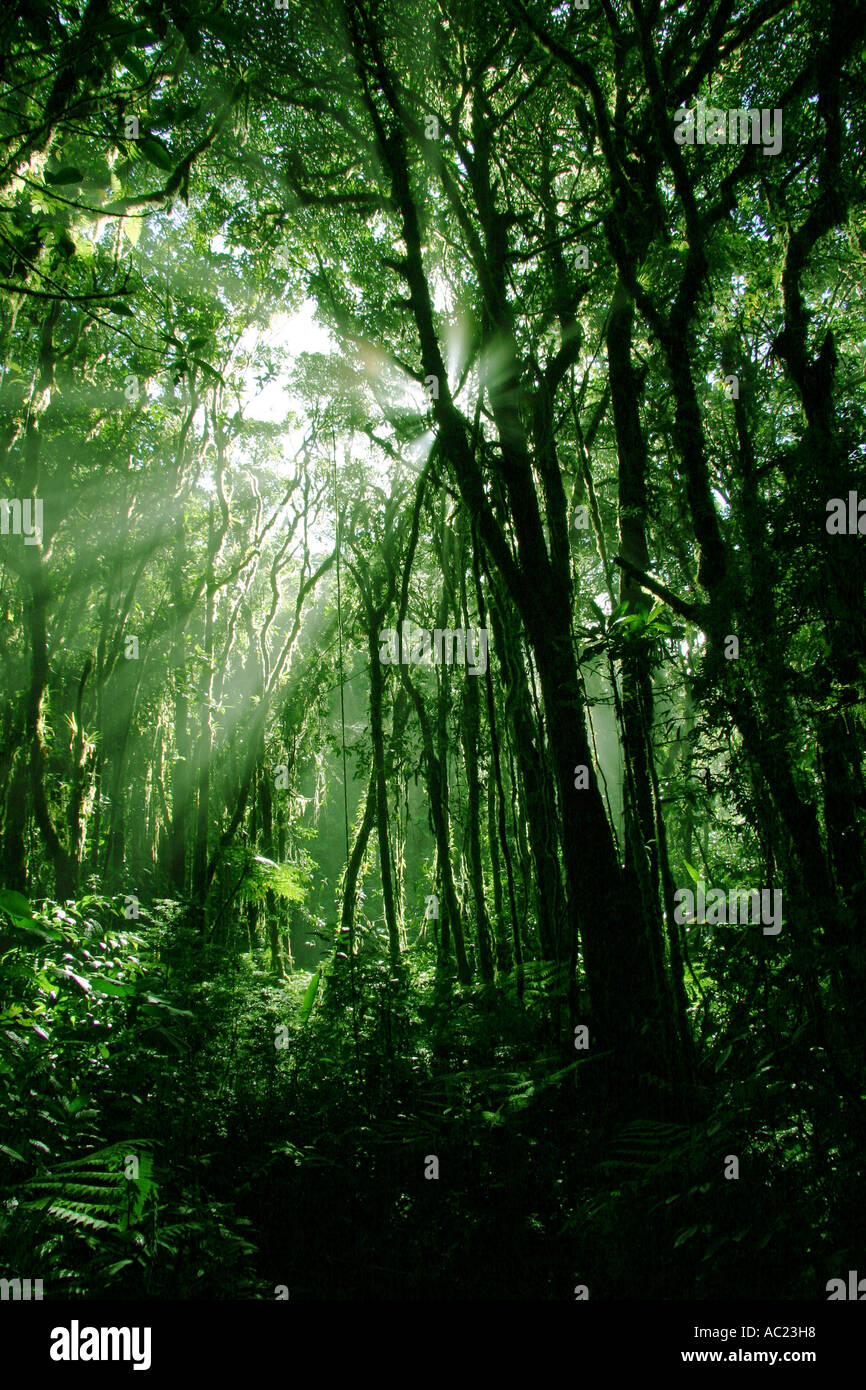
(259, 876)
(93, 1191)
(649, 1146)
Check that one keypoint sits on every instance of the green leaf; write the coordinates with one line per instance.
(154, 1002)
(15, 905)
(692, 871)
(134, 65)
(131, 227)
(142, 1187)
(79, 979)
(68, 174)
(310, 993)
(103, 985)
(155, 152)
(211, 371)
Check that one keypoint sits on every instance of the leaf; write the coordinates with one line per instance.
(692, 871)
(15, 904)
(155, 152)
(153, 1001)
(68, 174)
(122, 309)
(80, 1217)
(12, 1153)
(261, 876)
(134, 65)
(103, 985)
(211, 371)
(310, 995)
(39, 927)
(132, 229)
(79, 979)
(142, 1187)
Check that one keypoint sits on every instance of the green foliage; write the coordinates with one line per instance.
(81, 1030)
(260, 876)
(93, 1192)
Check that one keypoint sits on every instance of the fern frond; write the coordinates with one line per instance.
(93, 1191)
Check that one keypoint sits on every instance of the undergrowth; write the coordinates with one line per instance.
(174, 1126)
